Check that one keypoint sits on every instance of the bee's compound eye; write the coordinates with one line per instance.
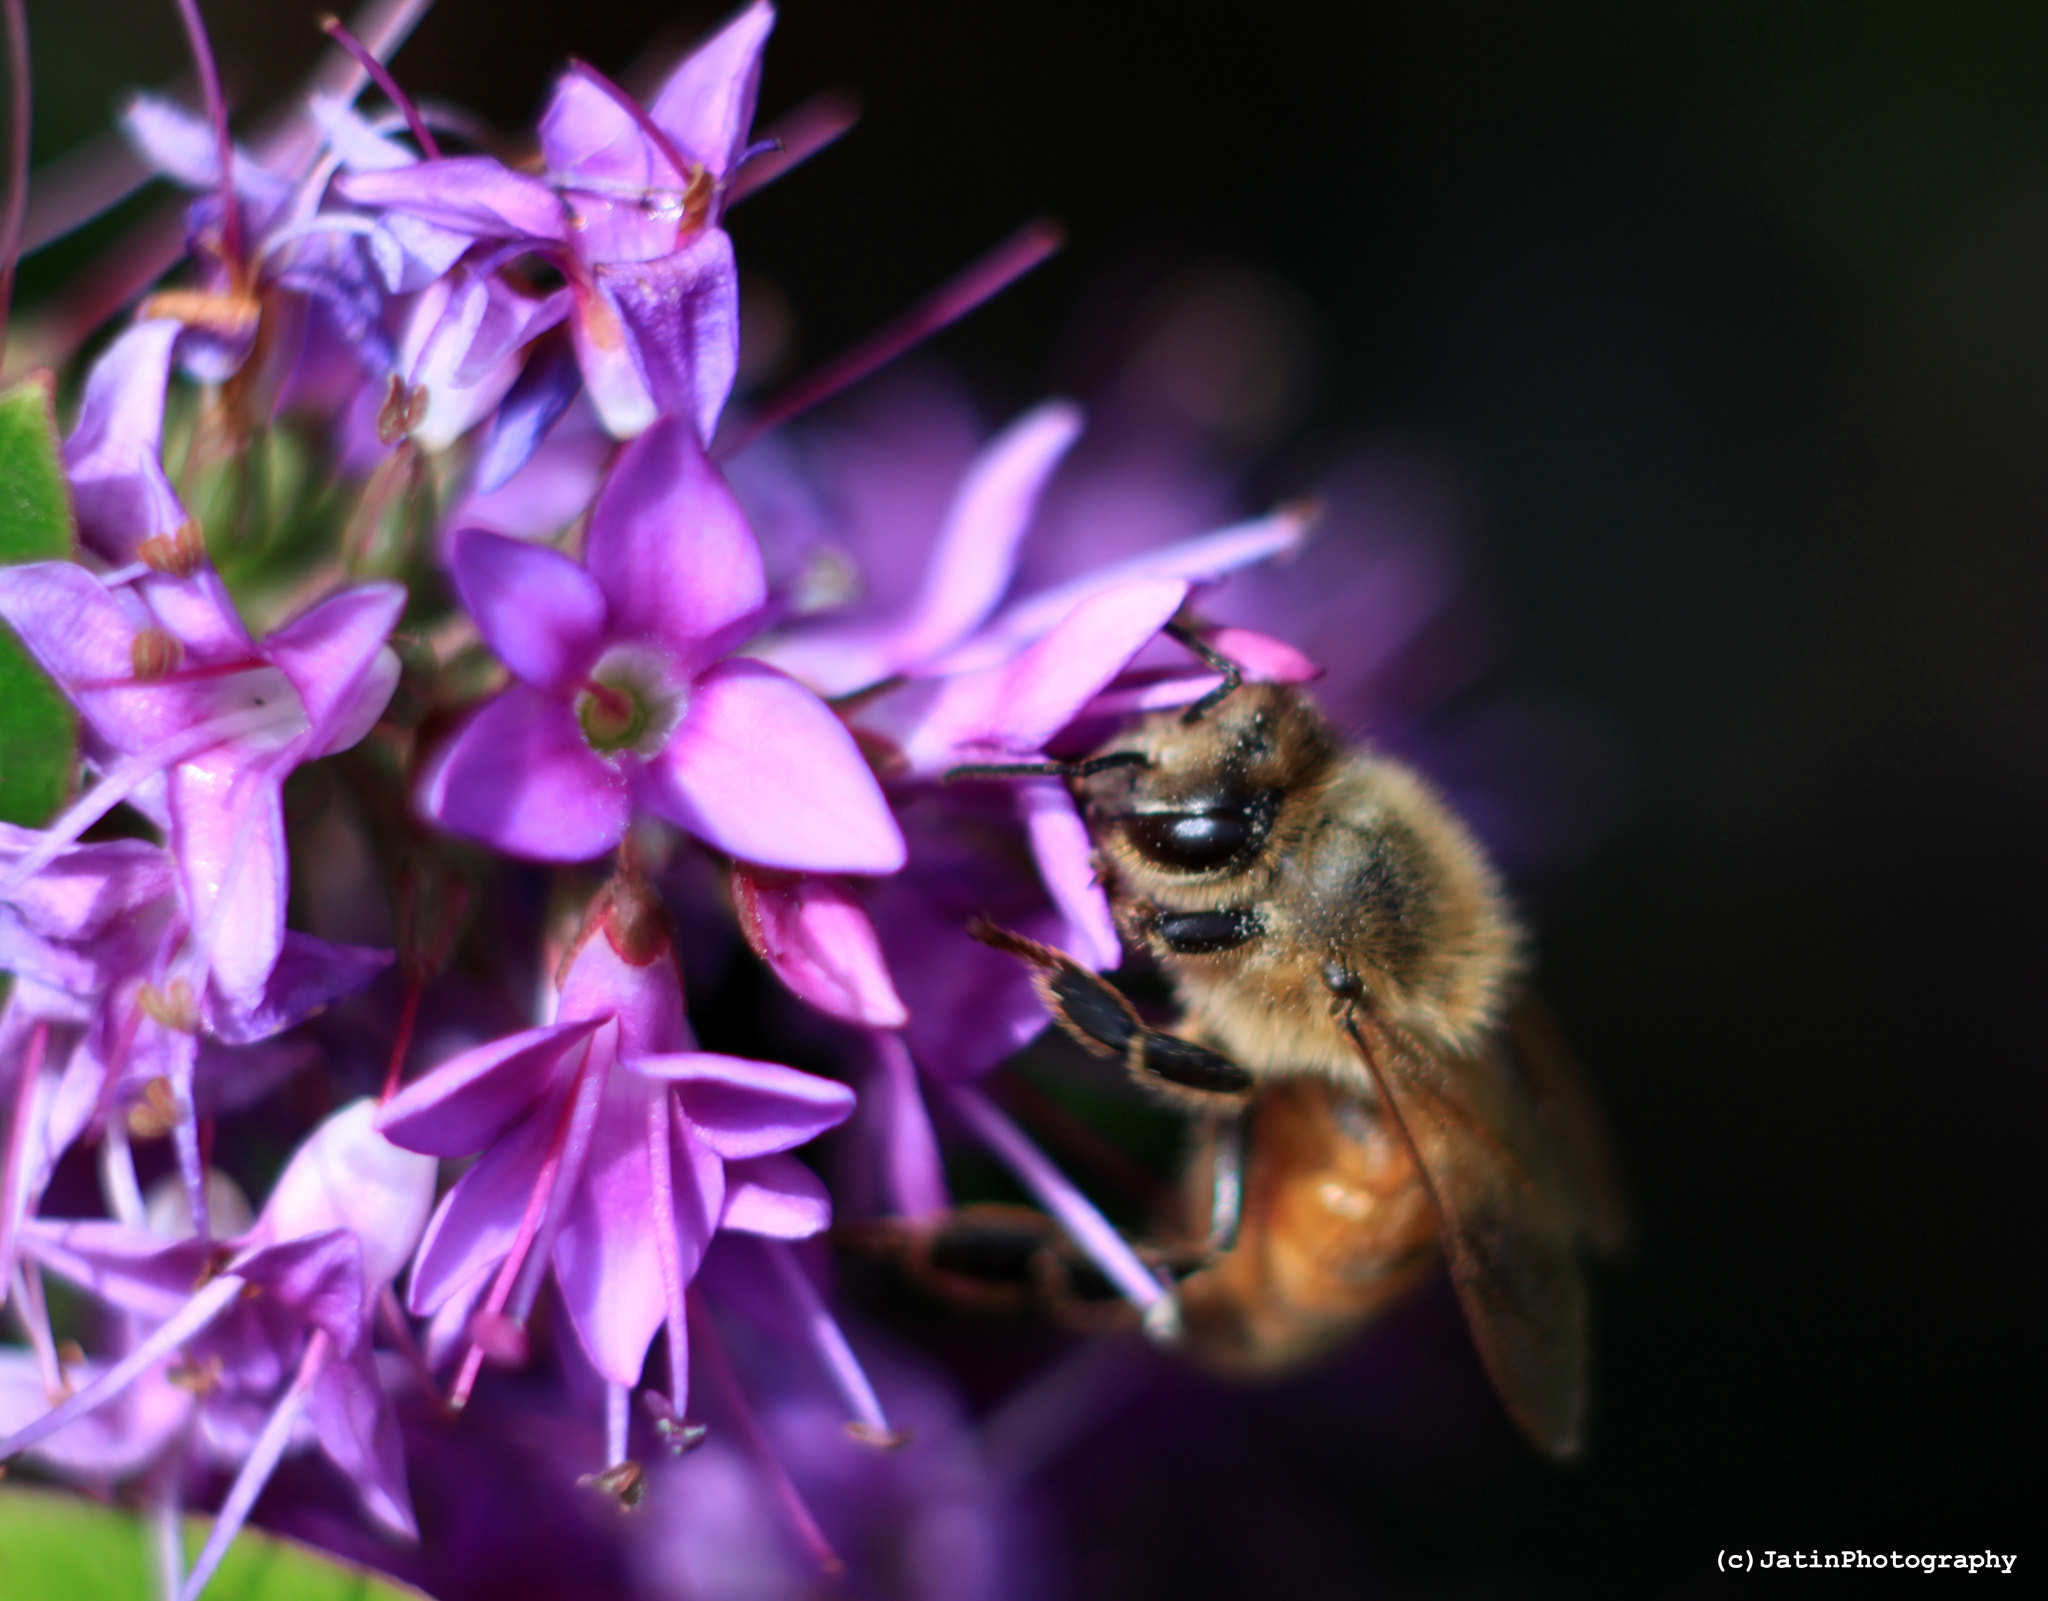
(1200, 841)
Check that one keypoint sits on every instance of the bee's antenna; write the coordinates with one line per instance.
(1233, 674)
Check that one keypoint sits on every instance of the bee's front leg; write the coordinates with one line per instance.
(1095, 1013)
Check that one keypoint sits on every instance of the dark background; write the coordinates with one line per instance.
(1734, 321)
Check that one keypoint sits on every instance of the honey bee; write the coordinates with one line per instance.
(1369, 1079)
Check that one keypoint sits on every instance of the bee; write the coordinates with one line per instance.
(1370, 1080)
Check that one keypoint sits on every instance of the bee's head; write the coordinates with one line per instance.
(1202, 797)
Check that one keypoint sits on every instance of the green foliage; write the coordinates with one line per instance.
(38, 737)
(56, 1547)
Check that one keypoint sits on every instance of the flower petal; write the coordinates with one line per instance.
(472, 194)
(319, 1276)
(227, 832)
(977, 547)
(777, 1196)
(532, 406)
(519, 776)
(476, 1222)
(472, 1099)
(307, 976)
(540, 611)
(335, 657)
(742, 1108)
(1196, 561)
(670, 547)
(763, 769)
(684, 314)
(610, 361)
(1011, 710)
(357, 1427)
(708, 101)
(607, 1263)
(818, 940)
(347, 1175)
(114, 457)
(1066, 863)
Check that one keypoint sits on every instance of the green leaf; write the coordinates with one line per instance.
(38, 735)
(56, 1547)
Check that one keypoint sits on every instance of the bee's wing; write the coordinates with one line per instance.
(1571, 1123)
(1509, 1221)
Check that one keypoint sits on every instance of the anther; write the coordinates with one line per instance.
(176, 555)
(154, 654)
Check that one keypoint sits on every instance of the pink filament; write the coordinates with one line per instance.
(944, 306)
(217, 114)
(538, 1204)
(632, 108)
(334, 30)
(16, 170)
(756, 1439)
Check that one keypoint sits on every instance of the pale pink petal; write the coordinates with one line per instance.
(346, 1175)
(476, 1222)
(610, 361)
(644, 994)
(763, 770)
(777, 1196)
(1066, 863)
(335, 657)
(114, 458)
(227, 832)
(1009, 711)
(471, 194)
(540, 611)
(607, 1261)
(670, 548)
(356, 1426)
(684, 314)
(467, 1102)
(976, 552)
(708, 101)
(815, 936)
(1197, 561)
(742, 1108)
(520, 776)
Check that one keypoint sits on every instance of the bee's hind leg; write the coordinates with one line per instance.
(1095, 1013)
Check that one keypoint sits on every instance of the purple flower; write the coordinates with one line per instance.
(193, 722)
(279, 1317)
(629, 211)
(622, 701)
(613, 1150)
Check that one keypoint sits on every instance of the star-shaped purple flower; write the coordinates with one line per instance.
(613, 1149)
(623, 702)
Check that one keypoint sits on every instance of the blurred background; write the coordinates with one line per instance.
(1727, 326)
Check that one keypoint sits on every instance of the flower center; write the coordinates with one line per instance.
(612, 717)
(626, 704)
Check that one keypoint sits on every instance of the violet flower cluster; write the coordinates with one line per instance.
(592, 669)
